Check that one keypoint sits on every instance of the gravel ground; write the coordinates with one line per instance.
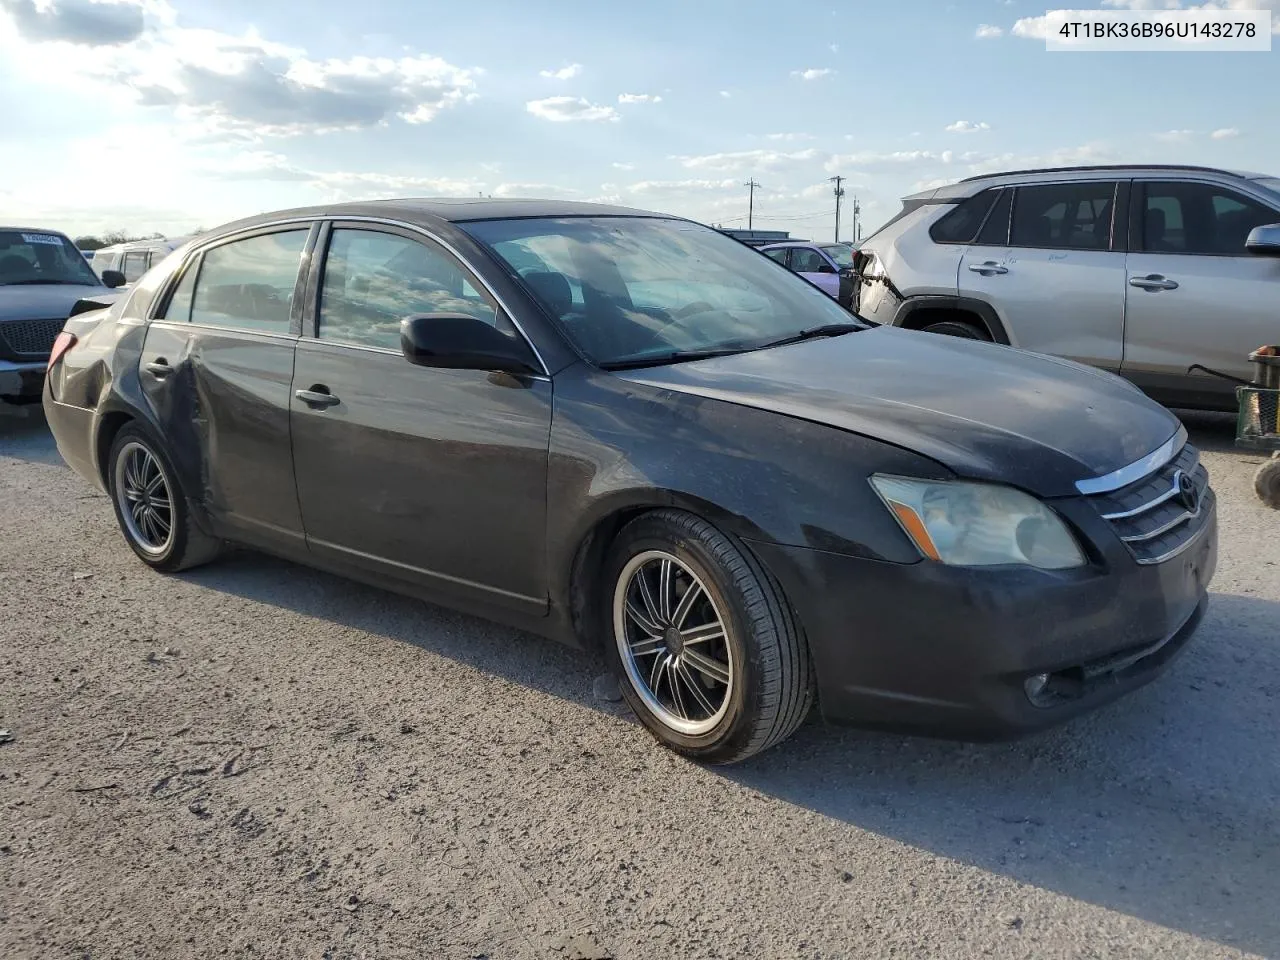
(256, 760)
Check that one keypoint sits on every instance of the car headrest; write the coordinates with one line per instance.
(1155, 225)
(552, 289)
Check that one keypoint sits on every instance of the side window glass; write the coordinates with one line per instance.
(960, 225)
(995, 232)
(373, 280)
(135, 265)
(1063, 216)
(179, 308)
(804, 260)
(780, 255)
(1180, 217)
(248, 284)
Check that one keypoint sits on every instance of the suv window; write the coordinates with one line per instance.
(995, 232)
(135, 264)
(1198, 218)
(374, 280)
(249, 284)
(962, 223)
(1064, 216)
(806, 260)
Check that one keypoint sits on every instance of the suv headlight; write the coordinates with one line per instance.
(979, 524)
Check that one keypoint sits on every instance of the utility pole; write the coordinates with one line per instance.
(857, 219)
(752, 187)
(839, 193)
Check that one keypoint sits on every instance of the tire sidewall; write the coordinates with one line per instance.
(954, 328)
(171, 557)
(735, 726)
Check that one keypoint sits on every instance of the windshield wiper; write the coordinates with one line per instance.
(675, 356)
(826, 330)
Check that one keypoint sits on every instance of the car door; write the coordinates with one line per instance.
(814, 266)
(217, 367)
(1057, 283)
(1194, 294)
(433, 476)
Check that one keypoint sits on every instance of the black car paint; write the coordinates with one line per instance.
(764, 445)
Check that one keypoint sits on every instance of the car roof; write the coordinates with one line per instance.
(445, 209)
(971, 185)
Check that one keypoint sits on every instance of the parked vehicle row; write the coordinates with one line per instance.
(627, 431)
(1167, 275)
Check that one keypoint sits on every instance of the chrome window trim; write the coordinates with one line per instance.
(384, 221)
(1136, 470)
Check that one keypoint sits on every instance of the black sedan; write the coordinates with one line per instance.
(627, 431)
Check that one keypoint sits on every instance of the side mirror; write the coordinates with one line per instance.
(458, 341)
(1264, 241)
(112, 279)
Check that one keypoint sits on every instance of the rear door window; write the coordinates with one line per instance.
(249, 284)
(961, 224)
(1064, 216)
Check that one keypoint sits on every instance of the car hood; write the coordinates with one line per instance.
(984, 411)
(43, 301)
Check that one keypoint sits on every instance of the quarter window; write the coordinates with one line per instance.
(179, 308)
(779, 254)
(135, 265)
(962, 223)
(374, 280)
(995, 232)
(1198, 218)
(249, 284)
(1064, 216)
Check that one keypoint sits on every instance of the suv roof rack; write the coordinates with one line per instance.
(1100, 166)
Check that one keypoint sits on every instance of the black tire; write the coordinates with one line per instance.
(186, 545)
(773, 686)
(958, 328)
(1266, 483)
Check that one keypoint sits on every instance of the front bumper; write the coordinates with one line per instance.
(23, 379)
(946, 651)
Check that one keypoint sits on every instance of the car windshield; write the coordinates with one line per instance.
(34, 257)
(838, 252)
(626, 289)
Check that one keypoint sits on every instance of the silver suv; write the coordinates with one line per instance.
(1166, 275)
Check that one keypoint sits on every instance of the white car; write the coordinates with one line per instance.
(134, 258)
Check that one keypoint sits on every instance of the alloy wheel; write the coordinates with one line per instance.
(145, 499)
(673, 642)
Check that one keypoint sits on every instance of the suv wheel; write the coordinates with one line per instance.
(708, 653)
(958, 328)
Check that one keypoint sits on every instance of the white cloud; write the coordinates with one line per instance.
(222, 84)
(539, 190)
(726, 94)
(834, 47)
(1031, 28)
(623, 166)
(967, 126)
(813, 73)
(639, 98)
(682, 186)
(1176, 136)
(790, 137)
(988, 32)
(746, 160)
(564, 73)
(1226, 133)
(565, 109)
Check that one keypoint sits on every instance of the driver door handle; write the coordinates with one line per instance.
(1153, 282)
(159, 368)
(317, 398)
(988, 268)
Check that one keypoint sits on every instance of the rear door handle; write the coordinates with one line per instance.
(1153, 282)
(159, 368)
(988, 268)
(317, 398)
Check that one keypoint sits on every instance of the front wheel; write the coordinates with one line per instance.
(150, 506)
(709, 655)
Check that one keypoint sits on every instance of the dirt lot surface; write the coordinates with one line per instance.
(255, 760)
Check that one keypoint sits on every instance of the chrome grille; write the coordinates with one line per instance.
(30, 337)
(1158, 515)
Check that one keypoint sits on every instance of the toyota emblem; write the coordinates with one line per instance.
(1188, 495)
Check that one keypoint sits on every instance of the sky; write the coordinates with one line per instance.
(172, 115)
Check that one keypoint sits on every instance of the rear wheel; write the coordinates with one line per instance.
(958, 328)
(150, 506)
(709, 655)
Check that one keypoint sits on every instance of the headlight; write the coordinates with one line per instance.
(979, 524)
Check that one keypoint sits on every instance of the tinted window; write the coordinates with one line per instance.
(1064, 216)
(805, 260)
(960, 225)
(135, 265)
(248, 284)
(995, 232)
(372, 281)
(179, 308)
(1198, 218)
(624, 289)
